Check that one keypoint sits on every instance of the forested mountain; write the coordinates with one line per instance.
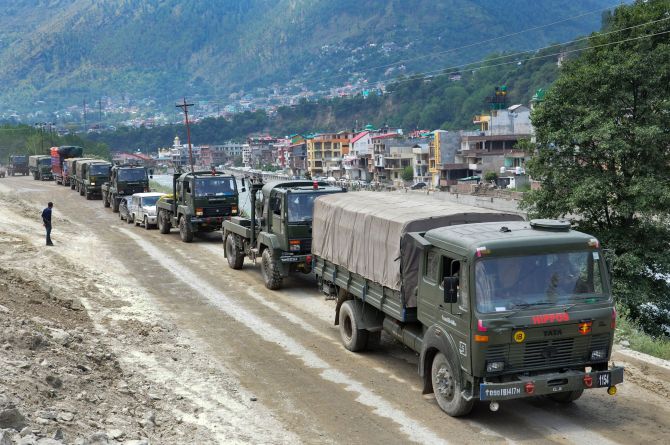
(410, 103)
(59, 51)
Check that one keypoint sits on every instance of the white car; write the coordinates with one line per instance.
(142, 210)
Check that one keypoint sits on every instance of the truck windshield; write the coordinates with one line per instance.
(149, 200)
(132, 174)
(214, 186)
(99, 170)
(301, 206)
(509, 283)
(45, 162)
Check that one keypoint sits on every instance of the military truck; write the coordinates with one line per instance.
(69, 171)
(59, 155)
(282, 236)
(40, 167)
(124, 180)
(93, 173)
(18, 165)
(200, 202)
(497, 308)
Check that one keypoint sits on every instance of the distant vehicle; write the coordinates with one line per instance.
(142, 209)
(3, 171)
(58, 157)
(418, 186)
(124, 206)
(40, 167)
(91, 176)
(124, 180)
(70, 170)
(18, 165)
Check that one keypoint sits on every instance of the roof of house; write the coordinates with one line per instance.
(359, 136)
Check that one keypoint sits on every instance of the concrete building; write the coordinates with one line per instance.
(356, 162)
(325, 153)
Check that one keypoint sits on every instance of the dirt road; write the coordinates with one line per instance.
(214, 357)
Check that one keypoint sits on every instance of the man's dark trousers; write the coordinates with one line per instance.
(48, 227)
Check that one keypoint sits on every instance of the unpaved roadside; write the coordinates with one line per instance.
(86, 358)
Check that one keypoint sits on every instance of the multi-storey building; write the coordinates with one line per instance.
(325, 152)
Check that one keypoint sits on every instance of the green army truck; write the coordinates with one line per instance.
(497, 308)
(282, 236)
(94, 173)
(70, 171)
(40, 167)
(18, 165)
(200, 202)
(124, 180)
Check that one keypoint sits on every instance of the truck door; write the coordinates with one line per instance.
(457, 315)
(277, 209)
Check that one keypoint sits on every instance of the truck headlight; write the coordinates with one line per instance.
(598, 355)
(495, 366)
(198, 212)
(92, 183)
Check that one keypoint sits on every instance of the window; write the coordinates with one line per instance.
(432, 264)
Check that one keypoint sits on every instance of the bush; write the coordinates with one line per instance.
(491, 176)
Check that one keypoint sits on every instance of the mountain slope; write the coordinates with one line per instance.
(62, 50)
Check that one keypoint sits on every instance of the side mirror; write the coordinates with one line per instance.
(450, 286)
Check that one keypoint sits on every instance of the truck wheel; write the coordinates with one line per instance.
(82, 191)
(233, 255)
(447, 387)
(567, 396)
(164, 224)
(353, 338)
(115, 203)
(271, 270)
(88, 196)
(185, 231)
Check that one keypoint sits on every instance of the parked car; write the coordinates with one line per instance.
(143, 209)
(419, 186)
(124, 209)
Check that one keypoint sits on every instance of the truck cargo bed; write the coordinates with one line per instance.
(380, 297)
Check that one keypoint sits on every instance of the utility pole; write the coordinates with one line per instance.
(100, 114)
(184, 106)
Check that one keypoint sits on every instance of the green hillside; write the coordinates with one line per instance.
(59, 51)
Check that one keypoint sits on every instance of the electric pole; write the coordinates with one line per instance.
(184, 106)
(100, 114)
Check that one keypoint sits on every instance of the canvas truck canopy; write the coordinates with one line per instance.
(367, 233)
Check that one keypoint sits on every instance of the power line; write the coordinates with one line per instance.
(470, 45)
(440, 72)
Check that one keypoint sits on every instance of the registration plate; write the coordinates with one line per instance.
(604, 379)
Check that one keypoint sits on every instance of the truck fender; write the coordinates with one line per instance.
(435, 340)
(269, 240)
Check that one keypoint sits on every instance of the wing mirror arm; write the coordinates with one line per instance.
(450, 286)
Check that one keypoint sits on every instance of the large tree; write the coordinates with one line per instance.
(603, 153)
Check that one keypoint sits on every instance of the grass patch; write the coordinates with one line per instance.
(628, 330)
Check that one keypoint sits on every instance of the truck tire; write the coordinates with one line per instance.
(164, 224)
(271, 270)
(82, 190)
(88, 195)
(115, 203)
(233, 255)
(446, 381)
(185, 231)
(566, 396)
(353, 338)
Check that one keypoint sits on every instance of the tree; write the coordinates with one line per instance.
(603, 153)
(490, 176)
(407, 173)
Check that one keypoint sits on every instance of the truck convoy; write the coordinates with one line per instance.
(69, 171)
(497, 308)
(282, 235)
(40, 167)
(91, 175)
(18, 165)
(200, 202)
(58, 160)
(124, 180)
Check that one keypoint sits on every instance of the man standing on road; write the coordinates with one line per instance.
(46, 219)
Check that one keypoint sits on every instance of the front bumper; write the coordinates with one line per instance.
(552, 383)
(151, 219)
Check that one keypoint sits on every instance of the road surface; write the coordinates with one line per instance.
(282, 349)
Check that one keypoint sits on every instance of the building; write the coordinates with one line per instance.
(325, 153)
(442, 148)
(356, 162)
(491, 148)
(297, 160)
(420, 152)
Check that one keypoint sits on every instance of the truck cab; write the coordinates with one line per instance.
(40, 167)
(94, 174)
(200, 202)
(282, 235)
(124, 180)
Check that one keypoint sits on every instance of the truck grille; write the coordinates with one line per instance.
(306, 245)
(216, 211)
(546, 354)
